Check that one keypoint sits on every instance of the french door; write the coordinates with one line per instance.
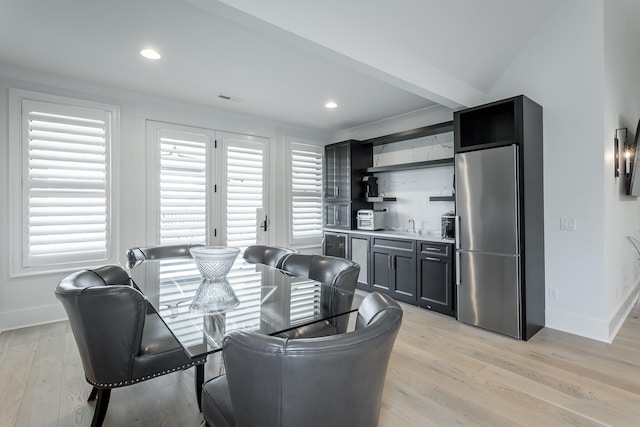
(207, 187)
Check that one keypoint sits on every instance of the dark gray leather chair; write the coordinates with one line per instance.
(332, 381)
(121, 339)
(338, 272)
(136, 256)
(267, 255)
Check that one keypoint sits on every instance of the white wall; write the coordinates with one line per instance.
(30, 300)
(563, 69)
(622, 109)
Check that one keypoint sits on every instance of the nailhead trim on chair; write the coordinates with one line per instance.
(137, 380)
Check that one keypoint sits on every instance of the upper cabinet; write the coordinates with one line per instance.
(344, 166)
(347, 162)
(496, 124)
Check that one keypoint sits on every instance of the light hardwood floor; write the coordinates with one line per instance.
(442, 373)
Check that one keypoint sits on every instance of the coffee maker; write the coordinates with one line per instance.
(371, 183)
(449, 225)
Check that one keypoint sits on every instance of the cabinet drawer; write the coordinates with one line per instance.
(398, 244)
(439, 249)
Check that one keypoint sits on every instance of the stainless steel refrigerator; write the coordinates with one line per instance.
(488, 249)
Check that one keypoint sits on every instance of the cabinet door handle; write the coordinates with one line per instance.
(433, 249)
(432, 259)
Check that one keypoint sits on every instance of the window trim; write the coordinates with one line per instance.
(18, 162)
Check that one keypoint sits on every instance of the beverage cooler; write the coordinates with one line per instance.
(335, 244)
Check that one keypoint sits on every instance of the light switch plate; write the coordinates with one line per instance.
(568, 224)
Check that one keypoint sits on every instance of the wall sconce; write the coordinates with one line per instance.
(621, 136)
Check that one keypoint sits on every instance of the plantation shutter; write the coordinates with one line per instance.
(182, 219)
(245, 189)
(305, 301)
(183, 187)
(67, 192)
(245, 161)
(306, 192)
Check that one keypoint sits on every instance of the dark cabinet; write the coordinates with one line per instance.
(335, 244)
(337, 172)
(436, 290)
(393, 268)
(344, 165)
(337, 215)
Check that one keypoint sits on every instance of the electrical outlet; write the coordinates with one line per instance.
(553, 294)
(568, 224)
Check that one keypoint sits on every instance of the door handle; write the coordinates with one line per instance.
(264, 223)
(432, 259)
(458, 281)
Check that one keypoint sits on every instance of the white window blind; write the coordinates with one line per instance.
(306, 192)
(182, 206)
(245, 171)
(183, 192)
(305, 301)
(66, 183)
(245, 178)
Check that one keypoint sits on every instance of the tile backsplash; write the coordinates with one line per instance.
(412, 188)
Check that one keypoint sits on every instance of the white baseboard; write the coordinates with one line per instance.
(589, 327)
(31, 317)
(617, 319)
(583, 326)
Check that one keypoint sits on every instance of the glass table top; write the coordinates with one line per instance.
(269, 301)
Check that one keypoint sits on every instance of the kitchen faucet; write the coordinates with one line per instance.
(413, 225)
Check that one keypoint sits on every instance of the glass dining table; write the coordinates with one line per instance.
(269, 301)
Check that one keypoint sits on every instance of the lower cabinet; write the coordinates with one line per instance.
(436, 290)
(393, 267)
(415, 272)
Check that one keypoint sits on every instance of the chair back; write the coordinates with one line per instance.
(267, 255)
(329, 381)
(334, 271)
(338, 272)
(136, 256)
(107, 315)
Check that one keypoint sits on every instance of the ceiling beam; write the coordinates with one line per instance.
(309, 26)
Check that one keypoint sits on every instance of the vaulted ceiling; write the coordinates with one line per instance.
(281, 59)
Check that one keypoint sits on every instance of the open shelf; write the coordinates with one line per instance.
(411, 134)
(442, 199)
(381, 199)
(409, 166)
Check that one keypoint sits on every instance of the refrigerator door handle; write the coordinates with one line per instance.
(457, 268)
(457, 245)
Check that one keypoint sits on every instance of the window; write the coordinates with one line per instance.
(65, 203)
(206, 187)
(183, 187)
(306, 192)
(245, 164)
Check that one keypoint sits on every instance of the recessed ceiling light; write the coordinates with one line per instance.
(331, 104)
(150, 54)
